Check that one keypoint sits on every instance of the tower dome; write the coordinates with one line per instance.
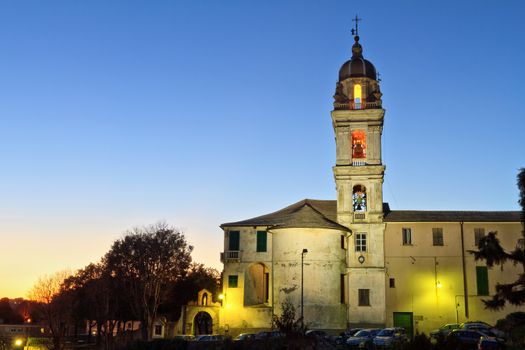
(357, 66)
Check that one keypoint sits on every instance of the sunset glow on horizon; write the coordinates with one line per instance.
(123, 114)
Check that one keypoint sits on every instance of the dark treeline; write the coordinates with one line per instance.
(146, 274)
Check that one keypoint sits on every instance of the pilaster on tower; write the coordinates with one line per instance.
(357, 119)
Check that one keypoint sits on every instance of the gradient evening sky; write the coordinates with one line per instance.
(115, 114)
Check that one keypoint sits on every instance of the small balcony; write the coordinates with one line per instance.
(357, 106)
(359, 162)
(359, 216)
(231, 256)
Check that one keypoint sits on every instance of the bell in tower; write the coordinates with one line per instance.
(358, 123)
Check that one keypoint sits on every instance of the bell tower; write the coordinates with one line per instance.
(357, 119)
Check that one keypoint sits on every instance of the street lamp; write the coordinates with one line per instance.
(302, 286)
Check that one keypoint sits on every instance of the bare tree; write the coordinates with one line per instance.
(52, 305)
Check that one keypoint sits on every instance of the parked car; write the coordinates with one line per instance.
(318, 334)
(210, 337)
(390, 337)
(186, 337)
(269, 334)
(444, 330)
(364, 339)
(350, 332)
(466, 338)
(490, 343)
(484, 328)
(245, 336)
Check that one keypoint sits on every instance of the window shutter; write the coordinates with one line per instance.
(234, 240)
(261, 241)
(482, 279)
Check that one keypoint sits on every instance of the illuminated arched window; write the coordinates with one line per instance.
(357, 96)
(359, 198)
(358, 144)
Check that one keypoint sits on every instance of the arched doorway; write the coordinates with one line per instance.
(202, 323)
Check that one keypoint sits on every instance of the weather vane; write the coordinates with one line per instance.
(355, 30)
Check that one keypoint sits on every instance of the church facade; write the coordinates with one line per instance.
(354, 261)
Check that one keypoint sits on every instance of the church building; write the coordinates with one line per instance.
(355, 261)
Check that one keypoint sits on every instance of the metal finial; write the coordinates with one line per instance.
(355, 31)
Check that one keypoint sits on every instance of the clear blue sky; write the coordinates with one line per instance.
(122, 113)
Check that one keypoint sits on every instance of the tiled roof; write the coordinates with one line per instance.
(306, 213)
(452, 216)
(323, 214)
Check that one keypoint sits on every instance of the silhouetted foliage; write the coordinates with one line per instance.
(490, 250)
(185, 289)
(7, 314)
(286, 322)
(147, 260)
(514, 326)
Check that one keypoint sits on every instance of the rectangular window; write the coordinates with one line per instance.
(364, 297)
(261, 241)
(360, 242)
(233, 281)
(158, 329)
(407, 236)
(342, 286)
(233, 240)
(437, 236)
(343, 242)
(479, 233)
(392, 283)
(482, 280)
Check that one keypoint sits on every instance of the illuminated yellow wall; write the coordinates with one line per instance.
(417, 267)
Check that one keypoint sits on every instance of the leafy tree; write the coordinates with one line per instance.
(185, 289)
(147, 260)
(493, 253)
(52, 306)
(98, 298)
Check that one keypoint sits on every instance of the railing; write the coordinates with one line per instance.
(359, 216)
(355, 106)
(358, 162)
(231, 255)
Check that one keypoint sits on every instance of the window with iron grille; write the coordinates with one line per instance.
(437, 236)
(364, 297)
(479, 233)
(407, 236)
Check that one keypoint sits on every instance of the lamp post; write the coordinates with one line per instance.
(302, 286)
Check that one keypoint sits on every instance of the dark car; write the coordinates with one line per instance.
(364, 339)
(444, 330)
(484, 328)
(467, 339)
(317, 334)
(490, 343)
(245, 336)
(269, 335)
(390, 337)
